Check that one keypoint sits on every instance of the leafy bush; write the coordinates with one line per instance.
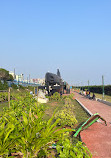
(23, 129)
(3, 86)
(14, 86)
(71, 106)
(55, 96)
(21, 87)
(70, 96)
(68, 100)
(68, 150)
(3, 96)
(66, 117)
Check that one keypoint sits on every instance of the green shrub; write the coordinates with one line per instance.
(22, 129)
(70, 96)
(66, 117)
(3, 96)
(14, 86)
(3, 86)
(55, 96)
(21, 87)
(66, 149)
(67, 100)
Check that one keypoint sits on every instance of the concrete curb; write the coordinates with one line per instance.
(88, 111)
(100, 100)
(104, 102)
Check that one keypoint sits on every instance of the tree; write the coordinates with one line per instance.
(1, 85)
(4, 75)
(10, 78)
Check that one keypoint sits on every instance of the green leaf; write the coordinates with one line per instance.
(25, 119)
(12, 128)
(1, 133)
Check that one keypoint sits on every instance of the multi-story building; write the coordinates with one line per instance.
(16, 77)
(38, 81)
(12, 73)
(20, 78)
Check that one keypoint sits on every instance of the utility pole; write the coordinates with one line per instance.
(103, 86)
(82, 87)
(14, 73)
(29, 79)
(88, 85)
(18, 80)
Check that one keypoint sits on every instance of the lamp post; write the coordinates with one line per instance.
(29, 79)
(103, 86)
(82, 87)
(88, 85)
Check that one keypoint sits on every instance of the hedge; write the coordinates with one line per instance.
(99, 89)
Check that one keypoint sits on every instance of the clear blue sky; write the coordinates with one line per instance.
(37, 36)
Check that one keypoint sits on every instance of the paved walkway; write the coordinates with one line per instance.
(98, 136)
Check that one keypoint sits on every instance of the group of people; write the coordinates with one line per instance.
(87, 94)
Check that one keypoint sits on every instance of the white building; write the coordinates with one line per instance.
(12, 73)
(17, 77)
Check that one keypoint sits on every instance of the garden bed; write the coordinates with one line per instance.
(30, 129)
(80, 114)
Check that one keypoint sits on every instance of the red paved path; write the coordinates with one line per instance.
(98, 136)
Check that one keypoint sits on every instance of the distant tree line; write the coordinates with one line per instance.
(98, 89)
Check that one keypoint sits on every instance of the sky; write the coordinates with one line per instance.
(37, 36)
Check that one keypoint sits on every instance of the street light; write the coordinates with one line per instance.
(103, 86)
(88, 85)
(82, 87)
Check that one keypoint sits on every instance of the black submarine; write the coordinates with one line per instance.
(54, 83)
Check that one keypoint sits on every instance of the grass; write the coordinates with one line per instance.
(106, 97)
(13, 94)
(51, 106)
(80, 114)
(3, 105)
